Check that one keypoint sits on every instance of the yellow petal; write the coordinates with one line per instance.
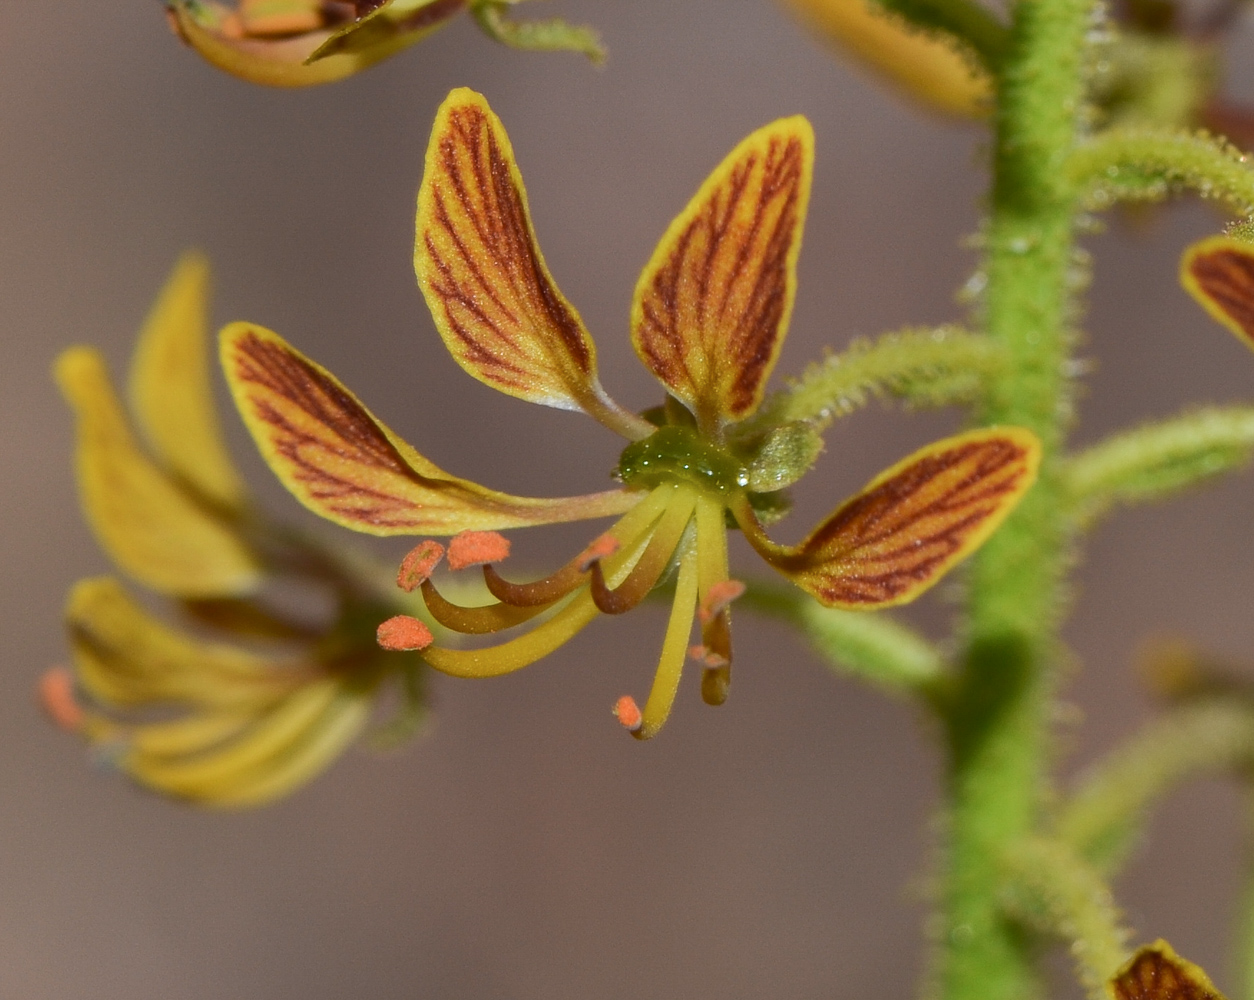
(151, 527)
(320, 56)
(342, 463)
(485, 281)
(276, 754)
(925, 67)
(1156, 972)
(912, 523)
(1219, 273)
(125, 657)
(713, 304)
(170, 390)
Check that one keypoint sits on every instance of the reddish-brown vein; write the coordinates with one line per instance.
(1228, 278)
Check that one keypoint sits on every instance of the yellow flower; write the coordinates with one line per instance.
(708, 320)
(247, 726)
(295, 43)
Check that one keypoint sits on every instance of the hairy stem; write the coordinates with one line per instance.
(1148, 165)
(998, 720)
(1055, 891)
(1102, 819)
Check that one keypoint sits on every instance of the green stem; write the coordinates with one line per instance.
(998, 720)
(1103, 817)
(1058, 893)
(1149, 164)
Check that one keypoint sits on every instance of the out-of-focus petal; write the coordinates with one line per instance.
(151, 527)
(479, 266)
(170, 390)
(927, 68)
(318, 56)
(127, 658)
(271, 757)
(342, 463)
(1219, 273)
(912, 523)
(712, 306)
(1156, 972)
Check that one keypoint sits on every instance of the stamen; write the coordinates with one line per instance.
(628, 528)
(674, 647)
(628, 713)
(718, 597)
(473, 548)
(401, 633)
(56, 695)
(543, 639)
(599, 548)
(706, 656)
(419, 564)
(475, 621)
(717, 592)
(646, 573)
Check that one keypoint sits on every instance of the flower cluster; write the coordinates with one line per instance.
(225, 724)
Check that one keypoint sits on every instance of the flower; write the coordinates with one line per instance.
(708, 320)
(297, 43)
(233, 725)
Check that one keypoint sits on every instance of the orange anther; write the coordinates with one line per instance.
(600, 548)
(56, 695)
(717, 598)
(418, 564)
(707, 657)
(403, 633)
(628, 713)
(473, 548)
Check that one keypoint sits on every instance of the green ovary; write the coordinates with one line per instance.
(677, 454)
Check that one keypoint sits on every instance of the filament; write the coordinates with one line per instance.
(475, 620)
(657, 556)
(674, 649)
(558, 585)
(712, 570)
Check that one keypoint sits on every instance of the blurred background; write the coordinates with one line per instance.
(778, 846)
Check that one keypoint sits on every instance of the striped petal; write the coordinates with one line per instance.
(912, 523)
(152, 528)
(246, 47)
(170, 391)
(713, 304)
(479, 266)
(344, 464)
(1219, 273)
(1156, 972)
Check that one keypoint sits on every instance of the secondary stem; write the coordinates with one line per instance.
(998, 719)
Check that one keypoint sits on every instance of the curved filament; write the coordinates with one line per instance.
(541, 640)
(544, 592)
(475, 621)
(646, 573)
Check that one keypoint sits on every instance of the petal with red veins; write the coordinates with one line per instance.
(479, 266)
(344, 464)
(713, 304)
(912, 523)
(1219, 273)
(1156, 972)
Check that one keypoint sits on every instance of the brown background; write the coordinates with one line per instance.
(527, 849)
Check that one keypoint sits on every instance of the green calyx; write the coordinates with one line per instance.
(677, 453)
